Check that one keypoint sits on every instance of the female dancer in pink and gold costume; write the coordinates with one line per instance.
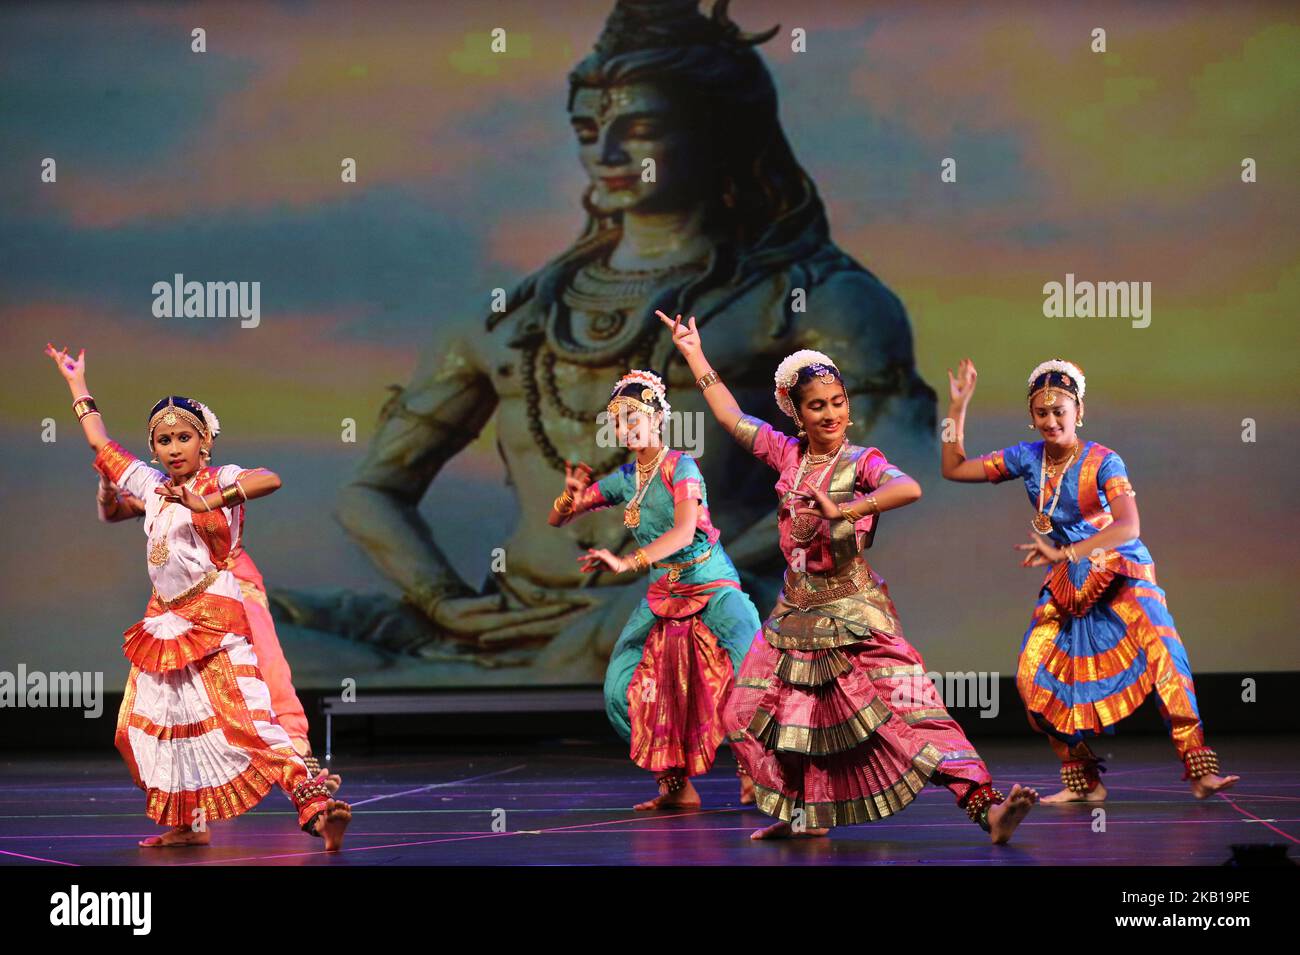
(832, 714)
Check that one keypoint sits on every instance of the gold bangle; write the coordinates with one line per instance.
(243, 495)
(563, 504)
(84, 406)
(230, 495)
(849, 514)
(206, 505)
(639, 558)
(705, 380)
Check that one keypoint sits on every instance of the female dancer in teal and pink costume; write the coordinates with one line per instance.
(1101, 638)
(673, 664)
(832, 715)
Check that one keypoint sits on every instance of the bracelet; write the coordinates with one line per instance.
(639, 561)
(230, 495)
(705, 380)
(206, 505)
(242, 493)
(84, 406)
(564, 503)
(79, 397)
(1069, 552)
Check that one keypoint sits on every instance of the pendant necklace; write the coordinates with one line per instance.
(158, 551)
(1042, 521)
(803, 527)
(644, 475)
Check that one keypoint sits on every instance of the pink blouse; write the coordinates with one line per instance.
(781, 452)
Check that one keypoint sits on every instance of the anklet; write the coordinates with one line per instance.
(1201, 761)
(671, 781)
(1081, 776)
(978, 802)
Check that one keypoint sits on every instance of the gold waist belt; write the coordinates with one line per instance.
(188, 594)
(826, 589)
(675, 570)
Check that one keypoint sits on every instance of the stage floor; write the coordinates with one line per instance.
(569, 803)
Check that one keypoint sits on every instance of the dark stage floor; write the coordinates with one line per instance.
(569, 804)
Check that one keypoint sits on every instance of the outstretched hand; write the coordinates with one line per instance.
(73, 369)
(685, 337)
(597, 557)
(1040, 552)
(962, 386)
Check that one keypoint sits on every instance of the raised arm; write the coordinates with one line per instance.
(721, 401)
(578, 497)
(73, 371)
(954, 464)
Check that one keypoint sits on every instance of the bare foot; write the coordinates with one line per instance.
(1098, 794)
(746, 791)
(332, 823)
(177, 836)
(1006, 815)
(783, 830)
(1211, 783)
(684, 798)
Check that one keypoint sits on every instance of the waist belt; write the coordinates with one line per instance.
(190, 593)
(675, 570)
(830, 588)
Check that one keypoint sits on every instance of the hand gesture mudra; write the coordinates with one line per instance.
(961, 387)
(180, 494)
(817, 503)
(1039, 552)
(577, 477)
(685, 337)
(73, 369)
(597, 557)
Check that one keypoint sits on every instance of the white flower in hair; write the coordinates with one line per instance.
(210, 419)
(1065, 368)
(787, 373)
(651, 381)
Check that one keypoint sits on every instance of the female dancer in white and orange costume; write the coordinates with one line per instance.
(116, 504)
(196, 726)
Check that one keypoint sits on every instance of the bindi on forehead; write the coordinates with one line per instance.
(610, 103)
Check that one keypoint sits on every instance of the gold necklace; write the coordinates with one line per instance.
(1053, 465)
(1042, 522)
(158, 551)
(803, 527)
(644, 475)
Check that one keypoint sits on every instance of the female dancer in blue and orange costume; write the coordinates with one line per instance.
(1101, 638)
(832, 714)
(196, 726)
(673, 665)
